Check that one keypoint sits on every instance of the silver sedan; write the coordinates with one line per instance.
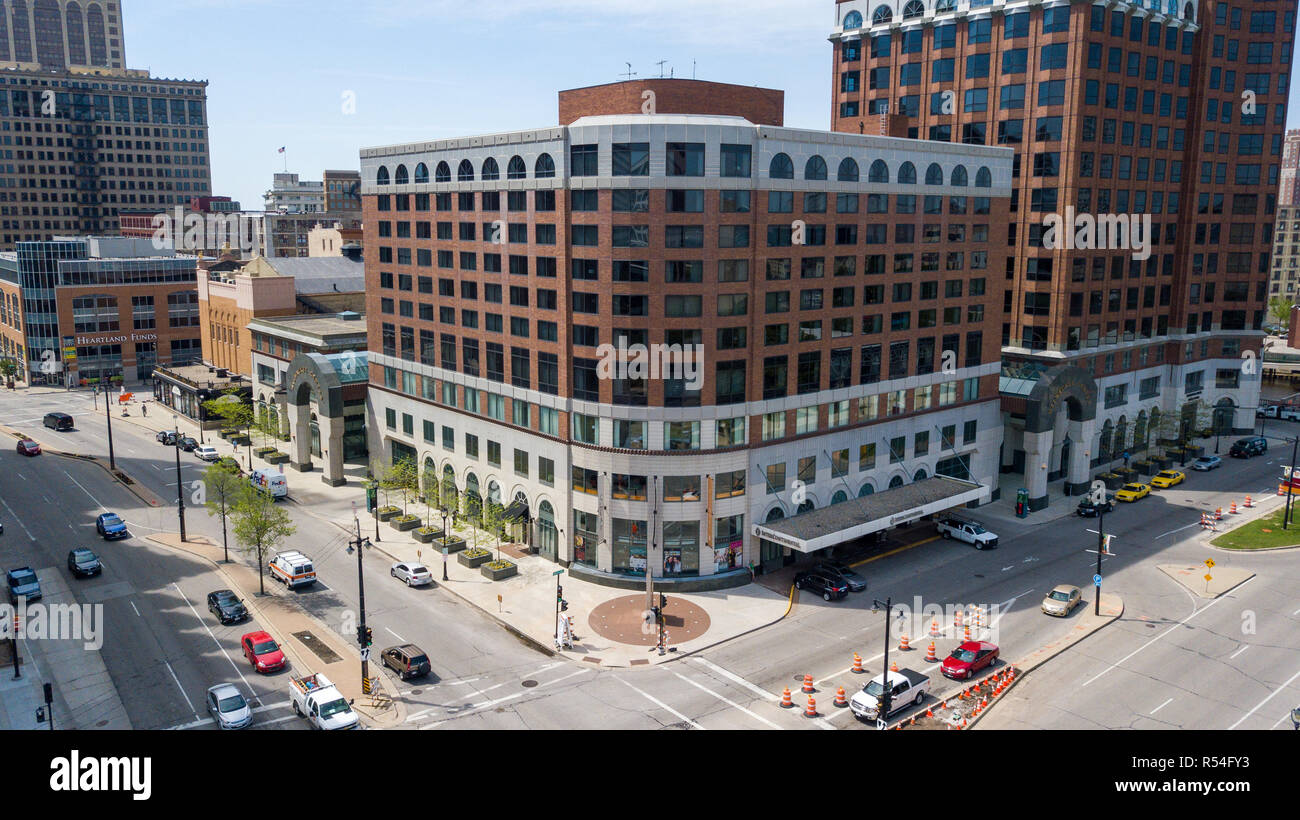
(412, 574)
(229, 707)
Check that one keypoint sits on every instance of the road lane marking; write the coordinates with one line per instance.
(1264, 701)
(484, 691)
(203, 721)
(1161, 635)
(1180, 529)
(480, 708)
(566, 677)
(1239, 651)
(84, 490)
(137, 612)
(1161, 706)
(193, 711)
(657, 702)
(16, 518)
(734, 678)
(395, 635)
(730, 703)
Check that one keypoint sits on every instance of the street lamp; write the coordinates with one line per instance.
(180, 488)
(363, 634)
(443, 510)
(112, 463)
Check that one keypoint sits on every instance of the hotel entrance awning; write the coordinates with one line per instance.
(838, 523)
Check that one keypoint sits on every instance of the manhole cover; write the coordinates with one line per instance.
(680, 725)
(416, 691)
(101, 724)
(977, 575)
(529, 684)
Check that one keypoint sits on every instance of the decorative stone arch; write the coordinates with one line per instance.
(774, 514)
(1069, 384)
(897, 481)
(1141, 431)
(839, 498)
(1119, 443)
(921, 475)
(312, 379)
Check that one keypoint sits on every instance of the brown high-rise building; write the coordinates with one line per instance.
(1172, 111)
(1287, 193)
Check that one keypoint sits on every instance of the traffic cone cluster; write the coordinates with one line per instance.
(786, 701)
(956, 618)
(840, 700)
(857, 664)
(967, 632)
(929, 653)
(808, 685)
(903, 645)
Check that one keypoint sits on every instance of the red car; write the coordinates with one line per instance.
(262, 652)
(969, 658)
(28, 447)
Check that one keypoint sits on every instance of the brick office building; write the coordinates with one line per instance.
(1113, 109)
(861, 361)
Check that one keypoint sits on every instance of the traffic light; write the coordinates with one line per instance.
(371, 499)
(370, 639)
(658, 613)
(663, 601)
(364, 636)
(559, 592)
(564, 605)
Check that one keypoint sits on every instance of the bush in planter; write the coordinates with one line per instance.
(262, 452)
(388, 512)
(402, 523)
(498, 570)
(276, 457)
(473, 557)
(426, 534)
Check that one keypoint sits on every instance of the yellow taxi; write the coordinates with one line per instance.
(1167, 478)
(1132, 492)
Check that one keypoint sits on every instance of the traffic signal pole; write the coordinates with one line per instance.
(1101, 546)
(363, 633)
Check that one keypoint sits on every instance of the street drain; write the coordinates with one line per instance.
(977, 575)
(529, 684)
(315, 645)
(416, 691)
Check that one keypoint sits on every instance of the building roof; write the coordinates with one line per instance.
(311, 328)
(321, 274)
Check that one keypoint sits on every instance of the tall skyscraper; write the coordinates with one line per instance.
(1287, 193)
(81, 134)
(1163, 110)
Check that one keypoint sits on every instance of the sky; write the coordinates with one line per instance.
(325, 78)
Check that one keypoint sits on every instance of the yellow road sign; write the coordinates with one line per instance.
(1208, 577)
(1209, 562)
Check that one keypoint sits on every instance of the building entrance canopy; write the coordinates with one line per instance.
(838, 523)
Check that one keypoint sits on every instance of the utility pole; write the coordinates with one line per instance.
(180, 488)
(363, 633)
(112, 463)
(649, 553)
(883, 702)
(1286, 516)
(1101, 546)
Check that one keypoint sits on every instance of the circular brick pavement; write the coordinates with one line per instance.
(621, 620)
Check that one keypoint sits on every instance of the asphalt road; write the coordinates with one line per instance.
(165, 657)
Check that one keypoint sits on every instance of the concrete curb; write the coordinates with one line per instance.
(1029, 666)
(253, 602)
(135, 488)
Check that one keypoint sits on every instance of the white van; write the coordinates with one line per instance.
(270, 481)
(293, 569)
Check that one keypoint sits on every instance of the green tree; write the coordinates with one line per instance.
(450, 500)
(222, 489)
(404, 479)
(231, 408)
(8, 367)
(492, 522)
(259, 526)
(1279, 308)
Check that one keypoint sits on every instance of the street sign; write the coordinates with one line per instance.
(365, 653)
(558, 572)
(1209, 577)
(445, 552)
(1096, 580)
(1209, 562)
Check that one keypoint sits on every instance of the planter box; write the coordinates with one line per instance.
(261, 452)
(384, 515)
(472, 561)
(1144, 468)
(401, 525)
(453, 545)
(426, 537)
(499, 574)
(1162, 462)
(1112, 483)
(277, 458)
(239, 440)
(1195, 452)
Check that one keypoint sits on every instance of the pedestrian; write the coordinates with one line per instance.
(1126, 459)
(144, 409)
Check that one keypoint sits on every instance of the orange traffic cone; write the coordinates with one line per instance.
(808, 684)
(840, 700)
(934, 626)
(893, 667)
(1281, 489)
(811, 711)
(1232, 510)
(1218, 514)
(903, 645)
(929, 713)
(968, 632)
(786, 702)
(857, 664)
(956, 618)
(1249, 503)
(929, 653)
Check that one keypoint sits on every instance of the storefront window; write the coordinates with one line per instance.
(629, 546)
(729, 543)
(681, 548)
(586, 528)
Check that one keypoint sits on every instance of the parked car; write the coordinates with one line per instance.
(1205, 463)
(262, 652)
(28, 447)
(206, 452)
(969, 658)
(188, 444)
(972, 532)
(84, 563)
(1249, 447)
(167, 437)
(855, 582)
(408, 661)
(1132, 492)
(23, 582)
(1167, 478)
(228, 707)
(1088, 508)
(1062, 600)
(58, 421)
(1278, 411)
(412, 574)
(226, 605)
(830, 587)
(110, 526)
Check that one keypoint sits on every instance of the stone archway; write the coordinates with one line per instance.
(314, 395)
(1071, 390)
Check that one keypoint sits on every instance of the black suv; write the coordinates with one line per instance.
(188, 444)
(226, 606)
(1087, 509)
(830, 587)
(1247, 447)
(58, 421)
(843, 572)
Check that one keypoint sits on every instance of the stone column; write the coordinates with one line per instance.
(1080, 473)
(331, 434)
(605, 549)
(301, 445)
(1037, 451)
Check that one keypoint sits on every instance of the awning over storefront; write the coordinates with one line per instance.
(517, 511)
(838, 523)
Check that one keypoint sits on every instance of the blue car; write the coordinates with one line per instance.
(23, 584)
(111, 526)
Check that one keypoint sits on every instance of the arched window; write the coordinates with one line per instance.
(806, 506)
(421, 173)
(447, 488)
(879, 172)
(1189, 12)
(914, 8)
(934, 174)
(465, 172)
(907, 174)
(839, 497)
(442, 173)
(775, 514)
(945, 5)
(1103, 446)
(959, 178)
(1120, 439)
(983, 178)
(544, 168)
(381, 176)
(853, 20)
(1140, 431)
(848, 171)
(815, 168)
(882, 14)
(1173, 7)
(867, 489)
(896, 481)
(490, 170)
(99, 43)
(781, 167)
(921, 475)
(515, 169)
(400, 176)
(76, 34)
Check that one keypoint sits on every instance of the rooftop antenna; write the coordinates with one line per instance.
(692, 69)
(661, 68)
(629, 73)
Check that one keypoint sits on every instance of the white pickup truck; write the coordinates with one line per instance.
(318, 700)
(1278, 411)
(968, 531)
(908, 688)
